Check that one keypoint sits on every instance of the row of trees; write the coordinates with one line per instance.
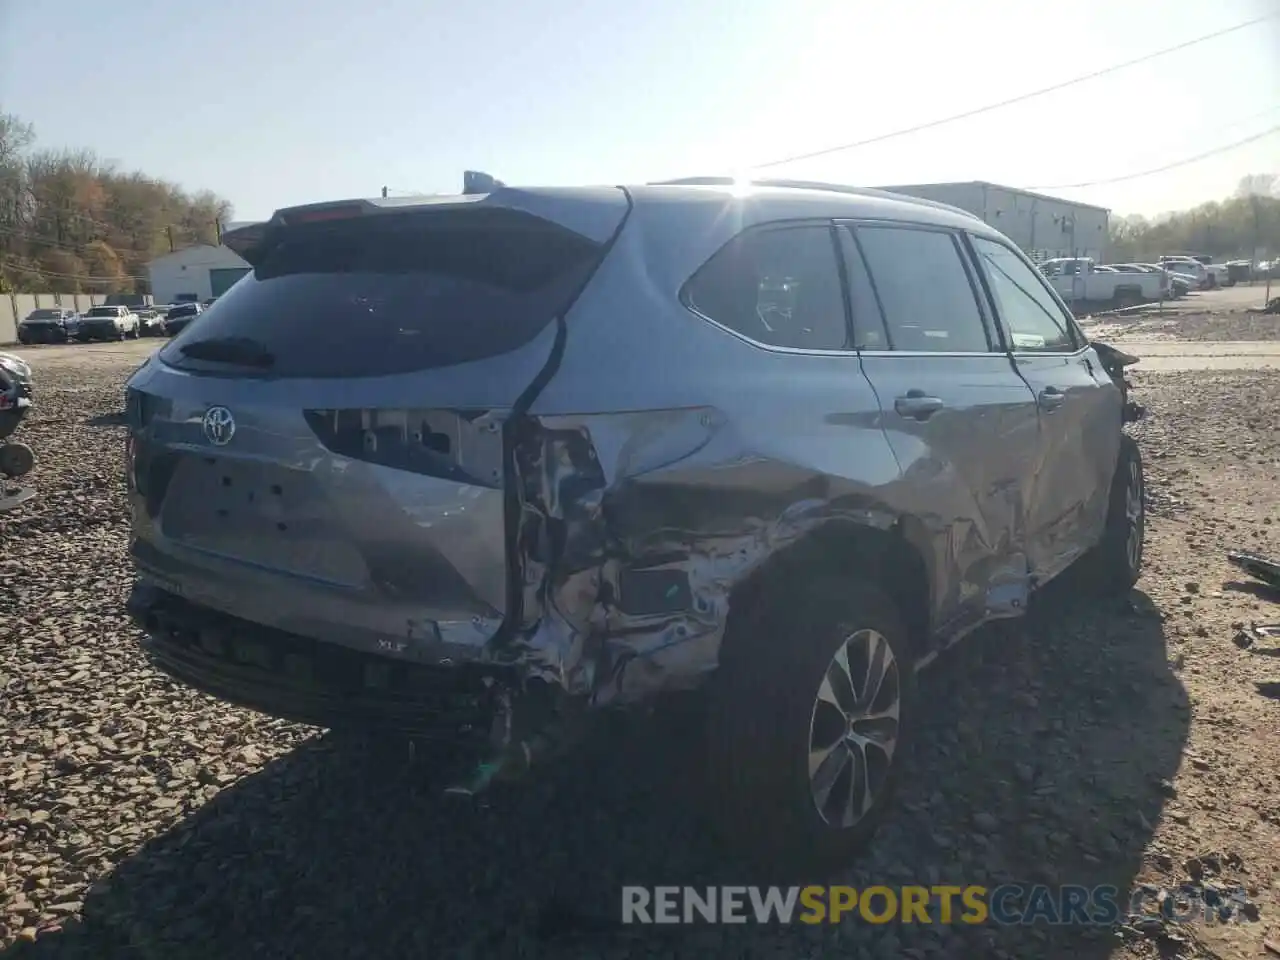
(1244, 226)
(71, 223)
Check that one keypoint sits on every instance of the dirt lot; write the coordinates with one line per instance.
(1099, 744)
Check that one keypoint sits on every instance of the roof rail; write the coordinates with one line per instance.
(814, 185)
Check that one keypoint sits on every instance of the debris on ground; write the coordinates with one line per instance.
(1260, 568)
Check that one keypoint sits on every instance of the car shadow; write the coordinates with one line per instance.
(1043, 756)
(117, 419)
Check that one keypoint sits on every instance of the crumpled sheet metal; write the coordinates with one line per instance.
(672, 490)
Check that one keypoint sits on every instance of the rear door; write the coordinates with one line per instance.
(1079, 407)
(322, 449)
(961, 422)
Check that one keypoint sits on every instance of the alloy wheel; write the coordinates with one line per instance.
(1134, 518)
(853, 730)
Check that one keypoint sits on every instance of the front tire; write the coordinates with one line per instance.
(809, 717)
(1116, 562)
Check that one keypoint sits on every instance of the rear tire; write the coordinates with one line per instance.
(796, 786)
(1115, 564)
(1127, 297)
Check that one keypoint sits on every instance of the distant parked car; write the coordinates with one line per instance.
(151, 321)
(1186, 281)
(1219, 275)
(1191, 267)
(1180, 284)
(108, 323)
(1079, 280)
(46, 325)
(1239, 271)
(179, 315)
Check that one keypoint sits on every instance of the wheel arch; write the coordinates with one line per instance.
(890, 557)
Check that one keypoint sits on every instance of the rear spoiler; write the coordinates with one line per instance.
(594, 214)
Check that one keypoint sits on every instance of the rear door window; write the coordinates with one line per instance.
(389, 294)
(1030, 312)
(778, 286)
(924, 289)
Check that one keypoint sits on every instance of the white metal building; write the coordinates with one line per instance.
(1042, 226)
(195, 273)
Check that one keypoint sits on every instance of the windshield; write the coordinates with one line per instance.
(103, 312)
(186, 310)
(393, 294)
(44, 315)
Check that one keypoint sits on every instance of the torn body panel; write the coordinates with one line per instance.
(638, 529)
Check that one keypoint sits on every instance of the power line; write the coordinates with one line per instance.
(929, 125)
(76, 249)
(15, 265)
(1168, 166)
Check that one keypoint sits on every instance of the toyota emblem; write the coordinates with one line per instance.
(219, 426)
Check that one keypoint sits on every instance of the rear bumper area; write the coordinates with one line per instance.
(42, 335)
(306, 681)
(99, 333)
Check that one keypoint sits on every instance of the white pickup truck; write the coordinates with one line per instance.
(108, 323)
(1079, 281)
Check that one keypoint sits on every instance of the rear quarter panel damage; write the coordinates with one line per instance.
(635, 529)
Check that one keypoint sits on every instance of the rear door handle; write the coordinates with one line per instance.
(917, 405)
(1051, 398)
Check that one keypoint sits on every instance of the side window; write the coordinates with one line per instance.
(924, 290)
(778, 286)
(868, 325)
(1035, 320)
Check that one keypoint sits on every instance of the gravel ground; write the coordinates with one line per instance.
(1199, 319)
(1094, 745)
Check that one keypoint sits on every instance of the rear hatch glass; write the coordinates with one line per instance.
(395, 293)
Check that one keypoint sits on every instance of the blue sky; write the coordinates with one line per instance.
(274, 102)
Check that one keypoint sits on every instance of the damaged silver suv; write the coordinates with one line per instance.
(480, 466)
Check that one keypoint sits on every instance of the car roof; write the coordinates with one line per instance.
(768, 199)
(679, 224)
(798, 199)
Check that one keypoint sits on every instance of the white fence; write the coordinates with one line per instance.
(15, 306)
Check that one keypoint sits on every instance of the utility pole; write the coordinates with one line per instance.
(1253, 260)
(169, 232)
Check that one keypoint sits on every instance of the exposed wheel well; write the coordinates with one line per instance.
(843, 549)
